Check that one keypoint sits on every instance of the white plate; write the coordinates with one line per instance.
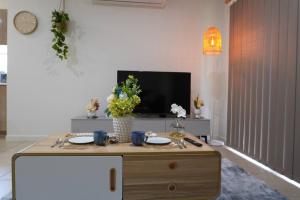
(151, 134)
(91, 134)
(158, 140)
(81, 140)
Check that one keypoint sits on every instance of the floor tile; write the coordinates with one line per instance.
(5, 188)
(6, 177)
(4, 170)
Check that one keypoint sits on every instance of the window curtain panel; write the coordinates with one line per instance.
(263, 82)
(296, 171)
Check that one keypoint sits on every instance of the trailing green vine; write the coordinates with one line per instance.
(60, 21)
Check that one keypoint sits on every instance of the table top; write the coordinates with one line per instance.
(43, 147)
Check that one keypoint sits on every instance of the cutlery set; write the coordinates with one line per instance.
(59, 142)
(180, 144)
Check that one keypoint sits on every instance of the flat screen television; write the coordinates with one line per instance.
(160, 90)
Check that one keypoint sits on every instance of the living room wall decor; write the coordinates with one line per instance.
(59, 29)
(25, 22)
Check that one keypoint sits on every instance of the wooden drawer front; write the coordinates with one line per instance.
(171, 177)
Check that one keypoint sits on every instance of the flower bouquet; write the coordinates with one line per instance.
(121, 103)
(92, 108)
(198, 103)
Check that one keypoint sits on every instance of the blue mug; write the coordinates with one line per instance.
(138, 138)
(3, 78)
(100, 137)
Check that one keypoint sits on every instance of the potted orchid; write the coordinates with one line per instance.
(121, 103)
(177, 125)
(178, 110)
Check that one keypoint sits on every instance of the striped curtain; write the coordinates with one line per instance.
(262, 81)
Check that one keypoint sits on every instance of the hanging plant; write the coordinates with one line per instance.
(60, 21)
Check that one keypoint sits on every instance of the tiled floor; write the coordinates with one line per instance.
(8, 148)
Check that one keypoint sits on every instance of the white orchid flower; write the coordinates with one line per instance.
(181, 113)
(174, 108)
(110, 98)
(174, 105)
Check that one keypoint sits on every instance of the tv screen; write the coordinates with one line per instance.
(160, 90)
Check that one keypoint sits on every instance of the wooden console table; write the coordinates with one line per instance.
(116, 172)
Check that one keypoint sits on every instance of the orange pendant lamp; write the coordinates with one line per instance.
(212, 41)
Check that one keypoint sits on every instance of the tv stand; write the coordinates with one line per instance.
(198, 127)
(162, 115)
(151, 116)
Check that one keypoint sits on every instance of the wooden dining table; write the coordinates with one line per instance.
(116, 171)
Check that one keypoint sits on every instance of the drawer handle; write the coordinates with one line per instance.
(172, 187)
(112, 179)
(173, 165)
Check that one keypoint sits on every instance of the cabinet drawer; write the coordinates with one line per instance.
(171, 177)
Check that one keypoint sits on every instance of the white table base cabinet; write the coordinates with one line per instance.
(68, 177)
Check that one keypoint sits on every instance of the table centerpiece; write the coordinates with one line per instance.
(177, 125)
(121, 103)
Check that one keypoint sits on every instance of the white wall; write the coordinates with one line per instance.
(45, 93)
(3, 4)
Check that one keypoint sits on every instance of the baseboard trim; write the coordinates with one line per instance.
(221, 138)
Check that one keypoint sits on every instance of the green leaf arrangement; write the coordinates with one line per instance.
(59, 22)
(124, 98)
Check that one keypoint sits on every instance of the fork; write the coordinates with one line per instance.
(57, 142)
(63, 143)
(178, 144)
(183, 143)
